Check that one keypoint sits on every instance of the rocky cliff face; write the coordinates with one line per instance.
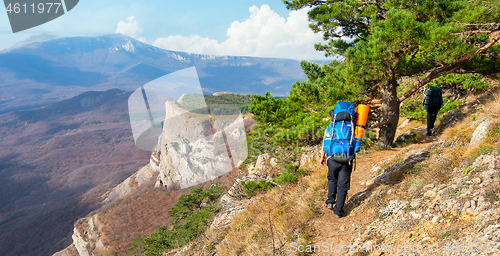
(87, 231)
(192, 149)
(195, 148)
(86, 240)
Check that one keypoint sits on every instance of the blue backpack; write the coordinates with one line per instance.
(339, 142)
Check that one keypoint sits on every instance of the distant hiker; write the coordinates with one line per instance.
(432, 103)
(341, 141)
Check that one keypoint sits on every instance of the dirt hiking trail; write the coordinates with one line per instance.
(333, 231)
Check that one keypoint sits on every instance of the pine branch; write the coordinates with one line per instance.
(447, 69)
(372, 95)
(412, 57)
(359, 25)
(479, 31)
(274, 183)
(481, 24)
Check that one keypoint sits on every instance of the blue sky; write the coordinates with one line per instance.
(243, 27)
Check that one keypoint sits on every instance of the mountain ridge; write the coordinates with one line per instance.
(46, 70)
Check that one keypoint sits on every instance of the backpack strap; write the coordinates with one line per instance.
(332, 132)
(342, 126)
(333, 125)
(353, 128)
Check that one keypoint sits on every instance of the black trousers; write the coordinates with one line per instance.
(431, 119)
(339, 178)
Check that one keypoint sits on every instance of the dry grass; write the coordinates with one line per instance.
(380, 200)
(276, 219)
(410, 127)
(414, 187)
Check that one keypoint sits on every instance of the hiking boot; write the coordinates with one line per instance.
(337, 216)
(429, 134)
(329, 206)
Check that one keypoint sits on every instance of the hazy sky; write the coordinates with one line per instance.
(241, 27)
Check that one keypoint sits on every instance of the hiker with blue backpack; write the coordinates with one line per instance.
(432, 103)
(341, 142)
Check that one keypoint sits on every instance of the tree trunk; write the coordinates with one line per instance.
(390, 112)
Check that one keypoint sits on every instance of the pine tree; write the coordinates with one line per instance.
(383, 41)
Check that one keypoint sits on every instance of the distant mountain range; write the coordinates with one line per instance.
(46, 69)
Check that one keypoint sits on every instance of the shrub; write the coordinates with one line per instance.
(301, 172)
(491, 196)
(466, 171)
(224, 104)
(93, 122)
(493, 133)
(189, 221)
(413, 109)
(418, 168)
(450, 104)
(122, 118)
(369, 138)
(285, 177)
(290, 167)
(461, 84)
(251, 187)
(449, 192)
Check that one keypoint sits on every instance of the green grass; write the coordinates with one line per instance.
(483, 150)
(449, 232)
(494, 130)
(408, 207)
(418, 168)
(492, 196)
(449, 192)
(466, 171)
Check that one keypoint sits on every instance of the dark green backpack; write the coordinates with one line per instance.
(433, 98)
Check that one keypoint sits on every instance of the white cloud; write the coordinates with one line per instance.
(130, 28)
(263, 34)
